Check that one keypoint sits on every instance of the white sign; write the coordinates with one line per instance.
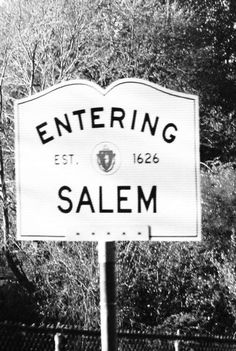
(120, 163)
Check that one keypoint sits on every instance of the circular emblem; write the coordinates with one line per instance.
(106, 158)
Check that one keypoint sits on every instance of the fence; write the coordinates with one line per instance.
(19, 337)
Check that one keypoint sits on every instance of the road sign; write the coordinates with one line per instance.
(120, 163)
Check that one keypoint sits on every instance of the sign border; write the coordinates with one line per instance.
(105, 91)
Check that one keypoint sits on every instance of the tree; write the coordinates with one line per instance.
(184, 45)
(186, 286)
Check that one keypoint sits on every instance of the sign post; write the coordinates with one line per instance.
(120, 163)
(107, 259)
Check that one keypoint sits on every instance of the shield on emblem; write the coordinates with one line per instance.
(106, 159)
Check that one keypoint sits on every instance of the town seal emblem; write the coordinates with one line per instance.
(106, 158)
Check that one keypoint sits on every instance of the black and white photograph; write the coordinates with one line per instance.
(117, 175)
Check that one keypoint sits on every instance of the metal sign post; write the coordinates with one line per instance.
(107, 254)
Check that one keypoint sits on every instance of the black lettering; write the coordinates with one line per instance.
(65, 198)
(60, 124)
(64, 159)
(56, 160)
(151, 127)
(152, 197)
(101, 209)
(83, 201)
(134, 119)
(79, 113)
(171, 136)
(122, 198)
(96, 117)
(71, 158)
(119, 117)
(42, 133)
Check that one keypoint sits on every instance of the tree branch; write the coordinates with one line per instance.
(6, 227)
(12, 262)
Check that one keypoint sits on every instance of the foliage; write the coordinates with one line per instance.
(186, 285)
(16, 305)
(66, 276)
(184, 45)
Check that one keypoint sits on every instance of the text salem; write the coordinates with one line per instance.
(145, 202)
